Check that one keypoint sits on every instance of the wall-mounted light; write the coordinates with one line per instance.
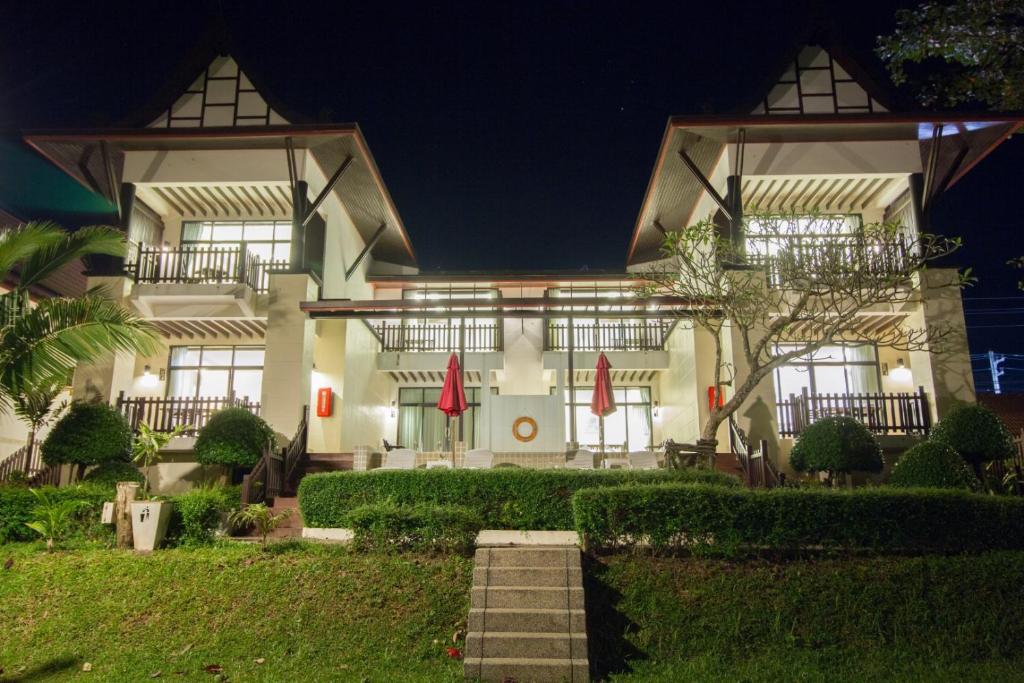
(392, 409)
(900, 373)
(149, 380)
(657, 409)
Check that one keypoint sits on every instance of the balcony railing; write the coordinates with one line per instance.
(164, 414)
(439, 337)
(610, 336)
(886, 414)
(812, 253)
(187, 265)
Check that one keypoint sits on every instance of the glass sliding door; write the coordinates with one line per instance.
(422, 427)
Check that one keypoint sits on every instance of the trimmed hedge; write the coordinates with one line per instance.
(718, 520)
(837, 445)
(976, 433)
(385, 527)
(934, 465)
(16, 503)
(197, 514)
(88, 434)
(503, 498)
(233, 437)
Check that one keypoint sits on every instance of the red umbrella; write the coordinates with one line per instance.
(602, 403)
(453, 397)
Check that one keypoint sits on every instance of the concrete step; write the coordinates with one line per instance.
(527, 645)
(528, 557)
(497, 619)
(527, 670)
(526, 576)
(527, 597)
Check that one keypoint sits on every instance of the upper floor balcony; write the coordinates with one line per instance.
(443, 336)
(610, 335)
(804, 255)
(191, 265)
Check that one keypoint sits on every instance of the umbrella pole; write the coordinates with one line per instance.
(600, 421)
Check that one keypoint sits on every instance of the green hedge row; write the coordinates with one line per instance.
(386, 527)
(197, 514)
(503, 498)
(717, 520)
(16, 503)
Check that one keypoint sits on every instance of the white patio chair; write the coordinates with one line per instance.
(583, 460)
(478, 459)
(400, 459)
(643, 460)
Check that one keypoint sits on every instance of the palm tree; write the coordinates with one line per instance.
(33, 405)
(41, 345)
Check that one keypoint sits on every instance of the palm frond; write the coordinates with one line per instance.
(19, 243)
(51, 339)
(73, 246)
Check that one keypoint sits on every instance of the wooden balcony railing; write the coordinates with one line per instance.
(901, 413)
(29, 463)
(164, 414)
(188, 265)
(439, 337)
(610, 336)
(811, 252)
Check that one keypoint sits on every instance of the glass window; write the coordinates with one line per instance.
(269, 240)
(844, 369)
(629, 425)
(422, 427)
(213, 371)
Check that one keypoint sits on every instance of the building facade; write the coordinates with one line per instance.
(273, 261)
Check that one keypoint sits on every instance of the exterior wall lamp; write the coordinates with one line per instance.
(392, 410)
(900, 373)
(657, 409)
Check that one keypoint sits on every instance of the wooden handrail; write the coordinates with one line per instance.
(894, 413)
(758, 469)
(856, 253)
(164, 414)
(190, 265)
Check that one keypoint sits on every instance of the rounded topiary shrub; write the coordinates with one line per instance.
(109, 473)
(836, 445)
(233, 437)
(932, 464)
(976, 433)
(89, 434)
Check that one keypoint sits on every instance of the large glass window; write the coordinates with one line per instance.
(269, 240)
(629, 425)
(767, 236)
(422, 427)
(842, 369)
(209, 371)
(443, 334)
(594, 333)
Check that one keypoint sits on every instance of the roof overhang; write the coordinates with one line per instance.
(673, 193)
(96, 159)
(499, 278)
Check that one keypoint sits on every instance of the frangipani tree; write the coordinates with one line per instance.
(41, 345)
(798, 284)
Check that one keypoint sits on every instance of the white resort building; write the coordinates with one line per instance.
(276, 266)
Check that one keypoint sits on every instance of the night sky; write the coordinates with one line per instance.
(516, 135)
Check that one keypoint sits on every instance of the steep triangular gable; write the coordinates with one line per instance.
(221, 95)
(815, 82)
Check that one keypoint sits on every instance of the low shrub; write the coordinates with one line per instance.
(439, 528)
(976, 433)
(836, 445)
(197, 514)
(931, 464)
(233, 437)
(88, 434)
(503, 498)
(110, 473)
(717, 520)
(16, 504)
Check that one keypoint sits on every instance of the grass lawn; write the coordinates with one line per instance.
(881, 619)
(309, 613)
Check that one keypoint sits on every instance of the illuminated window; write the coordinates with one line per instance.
(422, 427)
(212, 371)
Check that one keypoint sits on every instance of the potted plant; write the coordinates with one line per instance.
(150, 516)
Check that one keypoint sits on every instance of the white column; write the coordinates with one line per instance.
(289, 352)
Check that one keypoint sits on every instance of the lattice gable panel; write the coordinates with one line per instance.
(221, 95)
(815, 83)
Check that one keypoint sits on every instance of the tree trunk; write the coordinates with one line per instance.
(123, 513)
(30, 447)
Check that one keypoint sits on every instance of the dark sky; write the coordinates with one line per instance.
(510, 134)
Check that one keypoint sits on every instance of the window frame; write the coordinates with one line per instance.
(171, 368)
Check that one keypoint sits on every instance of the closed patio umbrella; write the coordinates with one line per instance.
(453, 396)
(602, 403)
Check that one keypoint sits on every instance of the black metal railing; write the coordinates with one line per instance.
(165, 414)
(901, 413)
(189, 265)
(439, 337)
(810, 253)
(608, 336)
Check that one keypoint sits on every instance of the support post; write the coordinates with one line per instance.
(327, 190)
(915, 182)
(572, 387)
(366, 250)
(734, 198)
(705, 183)
(462, 367)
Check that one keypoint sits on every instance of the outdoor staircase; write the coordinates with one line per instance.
(527, 620)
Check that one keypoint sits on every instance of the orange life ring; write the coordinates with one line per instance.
(531, 435)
